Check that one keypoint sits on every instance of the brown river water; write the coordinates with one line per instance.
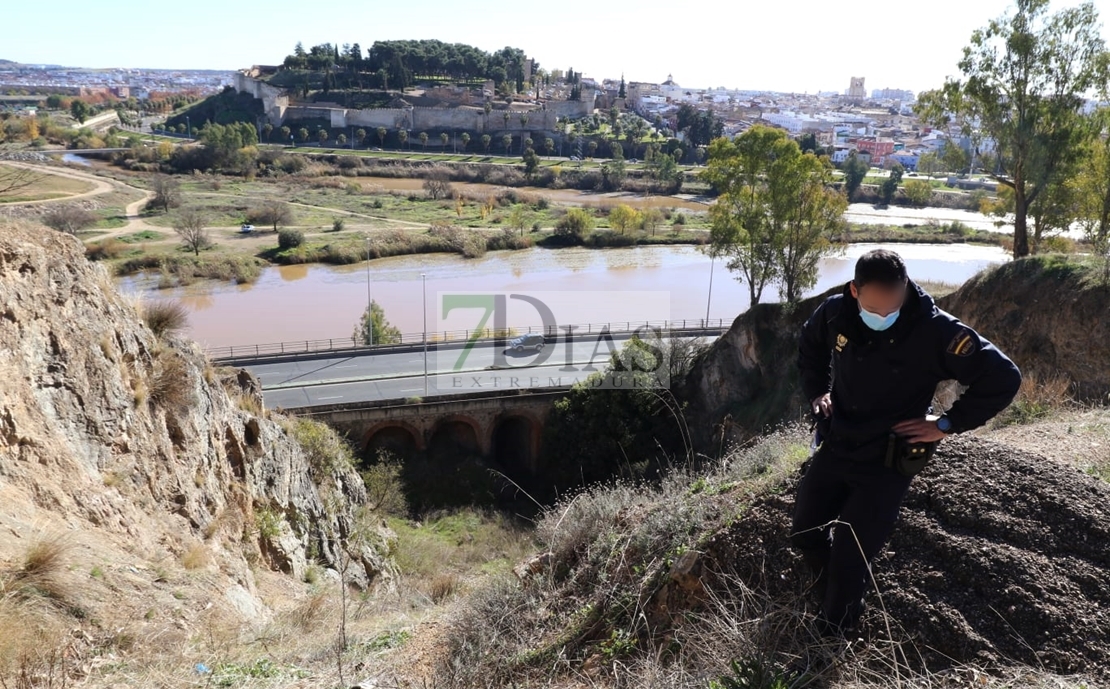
(313, 302)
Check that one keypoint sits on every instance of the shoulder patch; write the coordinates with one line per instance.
(965, 343)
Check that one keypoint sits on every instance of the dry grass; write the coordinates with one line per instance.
(165, 317)
(170, 386)
(588, 618)
(443, 586)
(105, 250)
(41, 572)
(1037, 399)
(195, 557)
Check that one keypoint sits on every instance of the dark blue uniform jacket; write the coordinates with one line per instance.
(880, 378)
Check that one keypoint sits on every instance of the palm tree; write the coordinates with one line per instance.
(403, 137)
(505, 116)
(548, 145)
(523, 120)
(323, 136)
(506, 141)
(424, 140)
(465, 140)
(360, 136)
(443, 139)
(381, 136)
(486, 139)
(486, 107)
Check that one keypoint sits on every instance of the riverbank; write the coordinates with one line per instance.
(240, 259)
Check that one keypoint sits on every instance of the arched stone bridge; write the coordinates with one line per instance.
(505, 426)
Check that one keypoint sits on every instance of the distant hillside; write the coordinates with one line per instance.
(225, 107)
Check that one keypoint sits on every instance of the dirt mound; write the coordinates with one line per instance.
(1000, 556)
(1049, 313)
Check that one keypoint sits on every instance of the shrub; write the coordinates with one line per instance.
(385, 490)
(105, 250)
(164, 317)
(326, 451)
(289, 238)
(69, 219)
(576, 223)
(336, 225)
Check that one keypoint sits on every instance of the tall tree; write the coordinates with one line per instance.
(889, 187)
(1024, 79)
(775, 214)
(855, 170)
(1092, 192)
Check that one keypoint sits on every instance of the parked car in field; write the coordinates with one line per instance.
(246, 228)
(533, 341)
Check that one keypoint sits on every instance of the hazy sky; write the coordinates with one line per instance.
(784, 45)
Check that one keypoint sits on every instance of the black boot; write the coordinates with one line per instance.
(818, 562)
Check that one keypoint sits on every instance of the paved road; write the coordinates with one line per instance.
(399, 375)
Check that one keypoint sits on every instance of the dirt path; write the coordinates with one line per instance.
(100, 185)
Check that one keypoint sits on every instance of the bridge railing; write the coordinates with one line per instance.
(456, 336)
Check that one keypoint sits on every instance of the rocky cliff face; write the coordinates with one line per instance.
(748, 378)
(108, 429)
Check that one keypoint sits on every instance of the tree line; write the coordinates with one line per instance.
(397, 64)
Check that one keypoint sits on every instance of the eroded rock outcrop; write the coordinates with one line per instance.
(105, 426)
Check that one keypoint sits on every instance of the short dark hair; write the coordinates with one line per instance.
(882, 266)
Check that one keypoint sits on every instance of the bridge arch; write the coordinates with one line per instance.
(457, 434)
(514, 442)
(396, 436)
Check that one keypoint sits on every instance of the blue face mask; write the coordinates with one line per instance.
(877, 322)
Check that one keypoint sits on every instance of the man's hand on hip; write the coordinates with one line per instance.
(919, 431)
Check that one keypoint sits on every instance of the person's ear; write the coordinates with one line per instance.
(855, 290)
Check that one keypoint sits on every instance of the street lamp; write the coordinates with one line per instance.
(709, 298)
(369, 302)
(424, 292)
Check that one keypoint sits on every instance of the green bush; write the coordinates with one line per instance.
(290, 239)
(576, 223)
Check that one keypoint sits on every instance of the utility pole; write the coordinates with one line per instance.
(369, 301)
(424, 291)
(712, 263)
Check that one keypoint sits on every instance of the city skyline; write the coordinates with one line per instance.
(796, 45)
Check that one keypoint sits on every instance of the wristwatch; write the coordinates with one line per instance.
(944, 425)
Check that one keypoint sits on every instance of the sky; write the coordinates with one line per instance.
(785, 45)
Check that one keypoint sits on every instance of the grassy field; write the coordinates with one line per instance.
(341, 219)
(43, 188)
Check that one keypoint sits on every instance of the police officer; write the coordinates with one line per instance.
(870, 359)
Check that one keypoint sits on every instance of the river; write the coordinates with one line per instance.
(316, 301)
